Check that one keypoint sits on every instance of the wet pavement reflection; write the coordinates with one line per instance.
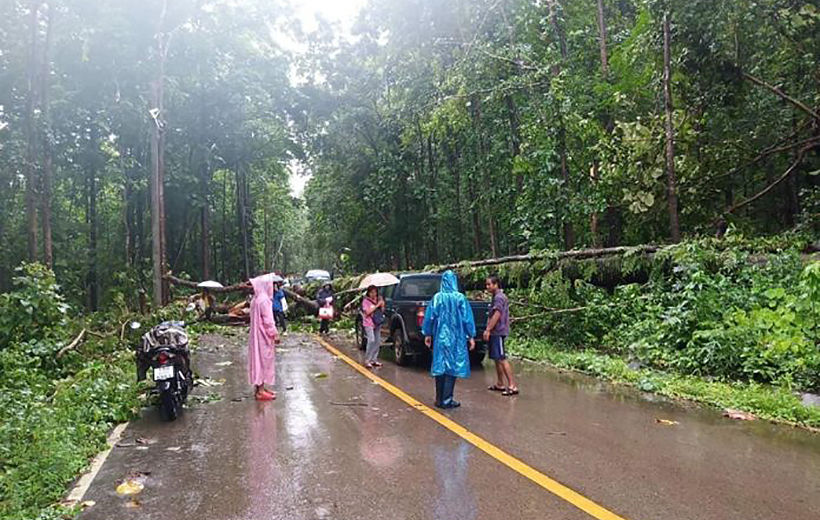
(335, 445)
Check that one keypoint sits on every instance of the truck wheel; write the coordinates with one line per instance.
(400, 348)
(477, 357)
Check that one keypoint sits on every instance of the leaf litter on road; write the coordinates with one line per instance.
(740, 415)
(666, 422)
(133, 484)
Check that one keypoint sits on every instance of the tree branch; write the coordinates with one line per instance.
(71, 345)
(777, 181)
(799, 104)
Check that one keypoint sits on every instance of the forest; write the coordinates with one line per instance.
(140, 140)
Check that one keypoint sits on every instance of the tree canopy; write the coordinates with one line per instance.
(140, 137)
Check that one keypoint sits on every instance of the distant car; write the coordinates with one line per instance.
(317, 275)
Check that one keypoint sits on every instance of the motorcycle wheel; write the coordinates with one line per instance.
(169, 406)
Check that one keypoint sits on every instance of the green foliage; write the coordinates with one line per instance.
(54, 414)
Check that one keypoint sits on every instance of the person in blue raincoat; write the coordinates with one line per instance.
(449, 328)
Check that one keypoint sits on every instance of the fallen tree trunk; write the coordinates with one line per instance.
(243, 287)
(575, 254)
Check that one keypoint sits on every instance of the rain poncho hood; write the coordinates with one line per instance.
(262, 333)
(449, 320)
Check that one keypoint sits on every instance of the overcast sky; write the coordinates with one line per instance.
(341, 11)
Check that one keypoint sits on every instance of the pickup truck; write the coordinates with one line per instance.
(405, 305)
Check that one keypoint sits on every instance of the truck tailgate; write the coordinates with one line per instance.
(481, 312)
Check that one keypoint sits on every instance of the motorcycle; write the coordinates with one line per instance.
(164, 349)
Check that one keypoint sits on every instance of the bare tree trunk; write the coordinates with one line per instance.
(92, 279)
(455, 170)
(602, 39)
(569, 232)
(242, 215)
(205, 218)
(159, 257)
(48, 160)
(594, 173)
(672, 190)
(126, 210)
(31, 136)
(267, 262)
(224, 246)
(493, 238)
(156, 201)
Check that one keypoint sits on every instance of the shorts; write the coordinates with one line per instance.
(497, 350)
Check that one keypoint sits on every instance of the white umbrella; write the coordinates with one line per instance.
(275, 278)
(379, 280)
(210, 284)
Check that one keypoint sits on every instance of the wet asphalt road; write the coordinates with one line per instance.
(342, 447)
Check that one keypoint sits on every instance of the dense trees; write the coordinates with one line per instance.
(140, 136)
(111, 108)
(452, 130)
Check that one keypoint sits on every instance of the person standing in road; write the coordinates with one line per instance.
(498, 328)
(448, 328)
(279, 309)
(324, 298)
(261, 339)
(373, 316)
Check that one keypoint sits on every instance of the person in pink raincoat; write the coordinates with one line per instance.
(261, 338)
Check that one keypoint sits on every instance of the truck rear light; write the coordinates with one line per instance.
(420, 316)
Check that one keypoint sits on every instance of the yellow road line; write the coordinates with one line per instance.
(553, 486)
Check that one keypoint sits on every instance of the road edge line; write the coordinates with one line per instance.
(84, 482)
(553, 486)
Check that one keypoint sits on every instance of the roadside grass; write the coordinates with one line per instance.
(50, 429)
(768, 402)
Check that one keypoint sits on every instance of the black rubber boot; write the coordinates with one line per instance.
(447, 397)
(439, 390)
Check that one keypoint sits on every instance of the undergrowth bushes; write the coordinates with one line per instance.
(54, 413)
(725, 313)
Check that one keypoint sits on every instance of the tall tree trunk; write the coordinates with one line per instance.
(602, 40)
(158, 167)
(453, 153)
(476, 217)
(92, 278)
(267, 262)
(31, 135)
(157, 253)
(126, 207)
(224, 245)
(475, 197)
(672, 190)
(48, 159)
(515, 137)
(242, 216)
(594, 173)
(205, 217)
(569, 231)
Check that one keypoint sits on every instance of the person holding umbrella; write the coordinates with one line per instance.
(373, 314)
(372, 318)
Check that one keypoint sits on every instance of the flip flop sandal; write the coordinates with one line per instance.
(508, 392)
(496, 388)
